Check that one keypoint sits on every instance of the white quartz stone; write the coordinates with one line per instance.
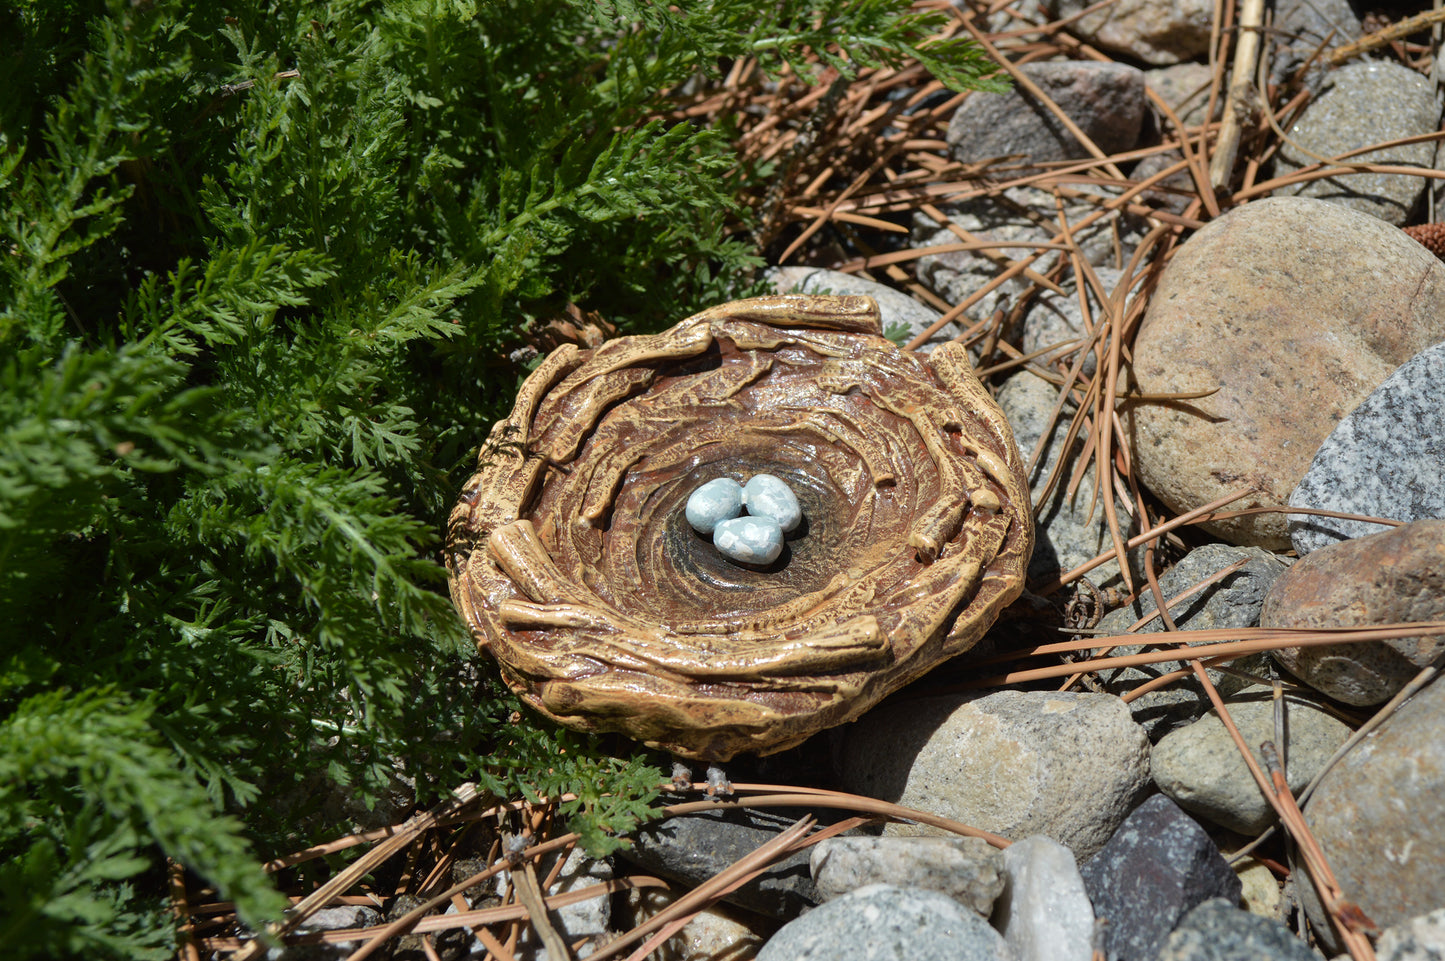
(751, 540)
(1044, 913)
(768, 496)
(717, 500)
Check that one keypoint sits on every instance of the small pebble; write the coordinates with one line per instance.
(767, 496)
(717, 500)
(751, 540)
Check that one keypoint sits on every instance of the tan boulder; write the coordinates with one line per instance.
(1295, 310)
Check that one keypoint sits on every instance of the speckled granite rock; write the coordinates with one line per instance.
(1393, 577)
(1233, 601)
(718, 933)
(1066, 531)
(1044, 913)
(693, 848)
(1370, 465)
(897, 309)
(1156, 33)
(882, 922)
(1219, 931)
(1377, 817)
(1419, 939)
(969, 870)
(1366, 102)
(1105, 100)
(955, 275)
(1073, 763)
(1294, 310)
(1158, 866)
(1200, 767)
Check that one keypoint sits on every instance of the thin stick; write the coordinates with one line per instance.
(1239, 98)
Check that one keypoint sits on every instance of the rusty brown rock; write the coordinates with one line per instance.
(1294, 310)
(1395, 577)
(573, 565)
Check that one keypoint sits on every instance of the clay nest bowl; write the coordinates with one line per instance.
(574, 566)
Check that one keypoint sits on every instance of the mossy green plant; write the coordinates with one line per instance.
(261, 270)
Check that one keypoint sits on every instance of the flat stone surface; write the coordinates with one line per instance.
(1044, 913)
(1419, 939)
(882, 922)
(1158, 866)
(902, 314)
(1219, 931)
(717, 933)
(1104, 100)
(720, 499)
(1292, 310)
(969, 870)
(1394, 577)
(1158, 33)
(693, 848)
(1066, 531)
(1232, 601)
(956, 274)
(1377, 817)
(1363, 103)
(1384, 459)
(1065, 765)
(1200, 767)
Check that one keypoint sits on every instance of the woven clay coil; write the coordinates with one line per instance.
(574, 566)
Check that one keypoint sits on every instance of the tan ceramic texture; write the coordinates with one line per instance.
(574, 566)
(1296, 309)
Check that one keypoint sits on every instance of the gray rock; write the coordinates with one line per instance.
(1419, 939)
(904, 318)
(1377, 817)
(1291, 310)
(342, 918)
(1301, 27)
(590, 919)
(1067, 532)
(750, 540)
(1200, 767)
(1219, 931)
(1384, 459)
(1389, 578)
(1184, 87)
(1233, 601)
(882, 922)
(693, 848)
(955, 275)
(1044, 913)
(1104, 100)
(1158, 867)
(720, 499)
(716, 933)
(1053, 320)
(969, 870)
(1157, 33)
(1065, 765)
(1363, 103)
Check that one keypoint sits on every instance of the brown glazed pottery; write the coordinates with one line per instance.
(574, 566)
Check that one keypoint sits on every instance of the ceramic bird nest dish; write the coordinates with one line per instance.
(575, 567)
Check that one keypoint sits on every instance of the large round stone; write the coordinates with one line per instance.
(1377, 817)
(1394, 577)
(1293, 311)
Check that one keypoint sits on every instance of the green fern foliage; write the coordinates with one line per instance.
(261, 270)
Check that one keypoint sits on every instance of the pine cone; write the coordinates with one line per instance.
(1431, 235)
